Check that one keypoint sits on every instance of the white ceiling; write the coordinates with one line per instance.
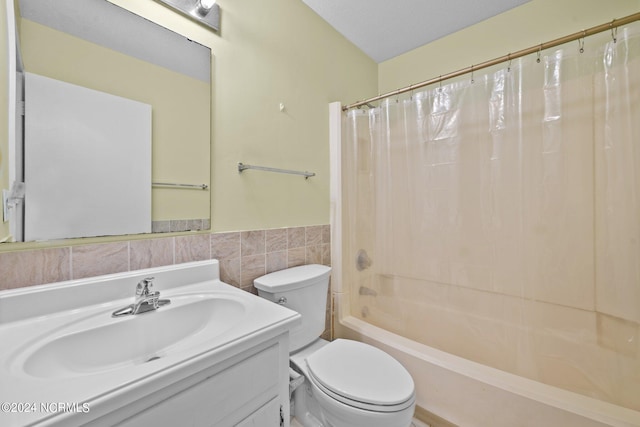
(384, 29)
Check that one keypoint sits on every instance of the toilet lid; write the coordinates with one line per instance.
(361, 373)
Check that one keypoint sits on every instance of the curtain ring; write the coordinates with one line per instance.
(509, 66)
(581, 42)
(440, 84)
(539, 52)
(614, 32)
(472, 79)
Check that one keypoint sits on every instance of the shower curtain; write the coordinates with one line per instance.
(497, 217)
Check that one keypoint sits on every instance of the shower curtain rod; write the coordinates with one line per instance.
(613, 25)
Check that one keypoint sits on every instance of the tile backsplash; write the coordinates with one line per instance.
(180, 225)
(243, 256)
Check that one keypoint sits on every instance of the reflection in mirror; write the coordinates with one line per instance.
(102, 47)
(74, 137)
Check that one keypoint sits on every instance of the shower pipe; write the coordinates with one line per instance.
(613, 26)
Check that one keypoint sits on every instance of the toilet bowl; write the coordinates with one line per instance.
(347, 383)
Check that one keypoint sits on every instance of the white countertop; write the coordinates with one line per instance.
(27, 393)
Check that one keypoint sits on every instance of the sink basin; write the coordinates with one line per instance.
(101, 343)
(60, 343)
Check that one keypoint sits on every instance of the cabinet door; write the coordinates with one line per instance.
(221, 400)
(267, 416)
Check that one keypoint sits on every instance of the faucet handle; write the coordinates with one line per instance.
(144, 285)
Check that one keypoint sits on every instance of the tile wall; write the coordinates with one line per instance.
(243, 256)
(174, 225)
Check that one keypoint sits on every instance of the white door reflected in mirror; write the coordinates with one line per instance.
(87, 163)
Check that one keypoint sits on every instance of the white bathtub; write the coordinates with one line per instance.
(469, 394)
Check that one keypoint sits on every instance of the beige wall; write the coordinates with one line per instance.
(4, 100)
(532, 23)
(270, 53)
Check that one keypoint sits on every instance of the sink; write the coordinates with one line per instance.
(61, 344)
(101, 343)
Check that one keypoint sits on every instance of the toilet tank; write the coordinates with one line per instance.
(302, 289)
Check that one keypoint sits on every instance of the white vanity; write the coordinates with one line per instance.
(214, 356)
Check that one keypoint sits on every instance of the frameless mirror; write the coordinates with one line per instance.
(99, 46)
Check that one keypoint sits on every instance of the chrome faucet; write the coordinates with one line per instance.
(145, 300)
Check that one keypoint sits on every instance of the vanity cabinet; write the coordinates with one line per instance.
(268, 415)
(245, 394)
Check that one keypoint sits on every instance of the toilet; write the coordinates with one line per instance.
(345, 383)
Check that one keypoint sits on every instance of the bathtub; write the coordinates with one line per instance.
(469, 394)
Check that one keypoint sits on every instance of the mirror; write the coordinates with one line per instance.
(100, 46)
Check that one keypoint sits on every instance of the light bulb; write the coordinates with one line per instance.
(207, 4)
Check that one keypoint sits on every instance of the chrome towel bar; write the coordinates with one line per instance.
(242, 166)
(172, 184)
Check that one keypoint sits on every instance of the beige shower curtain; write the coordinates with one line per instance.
(501, 215)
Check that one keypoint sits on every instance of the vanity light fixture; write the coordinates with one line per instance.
(206, 5)
(204, 11)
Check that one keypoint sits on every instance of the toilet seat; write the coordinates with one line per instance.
(361, 376)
